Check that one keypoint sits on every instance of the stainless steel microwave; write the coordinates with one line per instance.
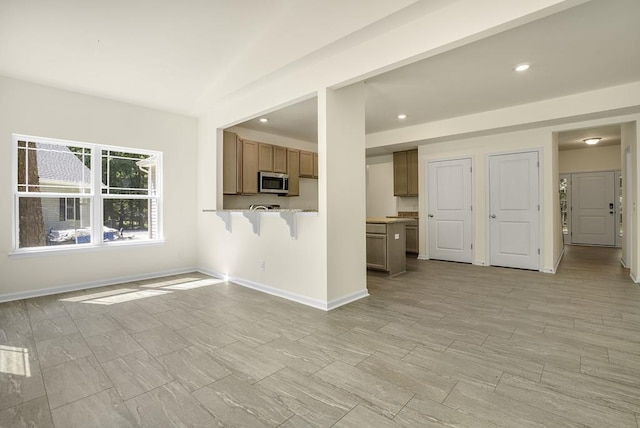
(271, 182)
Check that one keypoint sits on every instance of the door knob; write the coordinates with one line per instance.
(430, 215)
(492, 216)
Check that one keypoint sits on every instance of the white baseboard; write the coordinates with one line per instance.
(479, 263)
(92, 284)
(554, 269)
(634, 277)
(422, 257)
(623, 263)
(294, 297)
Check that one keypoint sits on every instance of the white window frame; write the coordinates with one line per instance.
(95, 196)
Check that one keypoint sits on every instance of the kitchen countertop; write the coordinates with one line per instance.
(388, 220)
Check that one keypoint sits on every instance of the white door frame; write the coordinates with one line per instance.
(471, 197)
(626, 202)
(541, 237)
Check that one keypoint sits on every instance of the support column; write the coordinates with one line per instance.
(342, 191)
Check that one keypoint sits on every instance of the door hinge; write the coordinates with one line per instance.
(470, 169)
(471, 208)
(472, 246)
(538, 164)
(538, 207)
(538, 250)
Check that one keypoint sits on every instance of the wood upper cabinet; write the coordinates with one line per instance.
(412, 173)
(315, 165)
(405, 173)
(231, 164)
(280, 159)
(293, 169)
(306, 164)
(249, 167)
(265, 157)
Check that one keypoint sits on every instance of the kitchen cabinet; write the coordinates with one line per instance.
(306, 164)
(265, 157)
(249, 167)
(293, 169)
(405, 173)
(412, 232)
(386, 245)
(315, 165)
(280, 159)
(231, 164)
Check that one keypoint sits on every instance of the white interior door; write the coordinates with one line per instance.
(449, 214)
(593, 208)
(514, 210)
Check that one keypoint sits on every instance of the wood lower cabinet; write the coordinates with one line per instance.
(249, 167)
(405, 173)
(280, 159)
(293, 170)
(412, 237)
(386, 247)
(231, 164)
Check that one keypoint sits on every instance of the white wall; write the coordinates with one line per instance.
(380, 199)
(590, 159)
(46, 112)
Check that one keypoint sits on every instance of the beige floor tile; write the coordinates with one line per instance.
(51, 328)
(316, 402)
(135, 374)
(169, 406)
(160, 340)
(192, 367)
(382, 396)
(246, 362)
(101, 410)
(62, 349)
(111, 345)
(32, 414)
(234, 402)
(74, 380)
(20, 375)
(544, 397)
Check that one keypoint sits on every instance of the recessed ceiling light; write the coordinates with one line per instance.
(522, 67)
(264, 120)
(592, 141)
(402, 116)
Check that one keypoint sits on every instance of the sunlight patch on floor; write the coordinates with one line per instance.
(193, 284)
(14, 361)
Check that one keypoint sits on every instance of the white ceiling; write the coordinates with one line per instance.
(169, 54)
(591, 46)
(163, 54)
(572, 140)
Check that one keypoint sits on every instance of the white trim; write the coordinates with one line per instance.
(294, 297)
(623, 263)
(422, 257)
(92, 284)
(554, 269)
(340, 301)
(67, 249)
(634, 278)
(480, 263)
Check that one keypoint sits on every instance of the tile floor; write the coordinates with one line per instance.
(443, 345)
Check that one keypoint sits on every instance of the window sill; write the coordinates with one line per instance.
(81, 248)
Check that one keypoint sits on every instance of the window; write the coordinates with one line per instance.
(70, 193)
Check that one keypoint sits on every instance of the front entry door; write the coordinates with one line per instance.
(514, 236)
(449, 221)
(593, 208)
